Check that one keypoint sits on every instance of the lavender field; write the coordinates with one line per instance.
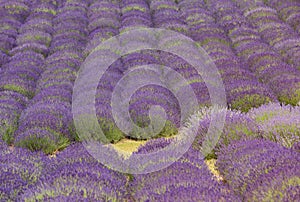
(253, 154)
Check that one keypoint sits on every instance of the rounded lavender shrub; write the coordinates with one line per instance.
(55, 83)
(18, 84)
(30, 46)
(38, 24)
(238, 126)
(20, 169)
(278, 123)
(9, 26)
(244, 95)
(58, 72)
(70, 57)
(282, 184)
(51, 115)
(103, 97)
(43, 10)
(38, 139)
(40, 37)
(14, 95)
(16, 9)
(74, 173)
(186, 179)
(54, 93)
(245, 163)
(150, 95)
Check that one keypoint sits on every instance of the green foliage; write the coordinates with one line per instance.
(111, 131)
(293, 99)
(8, 130)
(19, 90)
(45, 144)
(168, 130)
(247, 102)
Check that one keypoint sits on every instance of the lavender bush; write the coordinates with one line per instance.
(255, 46)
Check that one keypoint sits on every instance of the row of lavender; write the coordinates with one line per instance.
(244, 88)
(255, 75)
(253, 169)
(49, 105)
(37, 82)
(28, 49)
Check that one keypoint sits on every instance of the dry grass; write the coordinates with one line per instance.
(211, 164)
(126, 146)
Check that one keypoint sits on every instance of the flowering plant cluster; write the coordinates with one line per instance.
(255, 46)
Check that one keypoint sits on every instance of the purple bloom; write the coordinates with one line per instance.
(20, 169)
(278, 123)
(7, 42)
(8, 29)
(75, 172)
(18, 84)
(70, 57)
(154, 94)
(3, 58)
(16, 9)
(244, 95)
(103, 22)
(135, 21)
(58, 83)
(245, 163)
(103, 6)
(43, 10)
(139, 58)
(280, 184)
(288, 11)
(188, 173)
(38, 139)
(38, 24)
(4, 95)
(238, 126)
(58, 72)
(154, 145)
(29, 59)
(190, 4)
(31, 46)
(43, 120)
(34, 37)
(52, 93)
(71, 17)
(197, 16)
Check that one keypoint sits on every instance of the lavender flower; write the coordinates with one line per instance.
(34, 37)
(20, 169)
(45, 10)
(238, 126)
(7, 42)
(281, 184)
(278, 123)
(245, 163)
(52, 93)
(39, 48)
(154, 145)
(16, 9)
(38, 24)
(177, 183)
(75, 173)
(244, 95)
(18, 84)
(288, 11)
